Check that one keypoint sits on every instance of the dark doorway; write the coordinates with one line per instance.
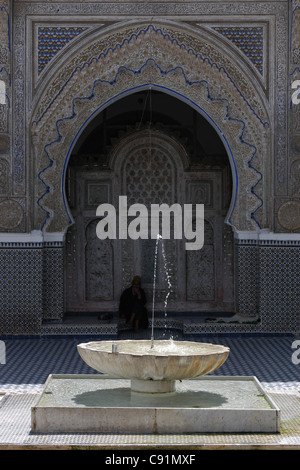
(96, 271)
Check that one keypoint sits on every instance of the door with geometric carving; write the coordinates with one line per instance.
(149, 167)
(149, 164)
(90, 284)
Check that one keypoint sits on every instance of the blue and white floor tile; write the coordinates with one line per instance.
(30, 361)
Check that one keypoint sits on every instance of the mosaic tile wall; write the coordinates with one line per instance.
(51, 39)
(249, 39)
(279, 287)
(21, 288)
(31, 286)
(267, 284)
(246, 279)
(53, 285)
(267, 280)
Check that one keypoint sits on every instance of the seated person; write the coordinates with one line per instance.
(132, 305)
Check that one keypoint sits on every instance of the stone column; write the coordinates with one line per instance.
(294, 132)
(289, 216)
(5, 107)
(12, 203)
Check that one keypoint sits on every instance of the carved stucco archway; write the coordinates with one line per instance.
(191, 64)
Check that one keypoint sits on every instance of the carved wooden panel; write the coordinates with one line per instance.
(201, 269)
(148, 171)
(89, 261)
(98, 266)
(149, 177)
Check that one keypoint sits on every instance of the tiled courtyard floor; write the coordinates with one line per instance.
(29, 361)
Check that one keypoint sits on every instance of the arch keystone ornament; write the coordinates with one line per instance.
(179, 60)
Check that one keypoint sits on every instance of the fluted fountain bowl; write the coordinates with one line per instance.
(153, 367)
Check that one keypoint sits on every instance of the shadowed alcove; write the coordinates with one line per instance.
(153, 148)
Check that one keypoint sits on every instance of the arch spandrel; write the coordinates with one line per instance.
(138, 57)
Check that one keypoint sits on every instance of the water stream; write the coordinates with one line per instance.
(168, 277)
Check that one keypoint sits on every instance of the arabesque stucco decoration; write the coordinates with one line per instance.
(186, 62)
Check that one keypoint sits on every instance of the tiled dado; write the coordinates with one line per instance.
(31, 286)
(268, 283)
(21, 288)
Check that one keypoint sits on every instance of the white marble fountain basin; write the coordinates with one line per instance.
(153, 370)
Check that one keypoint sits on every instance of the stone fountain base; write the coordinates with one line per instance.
(97, 403)
(153, 386)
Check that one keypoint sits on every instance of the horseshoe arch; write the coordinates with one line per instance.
(190, 64)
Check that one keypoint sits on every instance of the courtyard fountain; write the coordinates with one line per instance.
(153, 387)
(153, 369)
(154, 366)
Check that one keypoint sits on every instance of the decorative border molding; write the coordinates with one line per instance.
(34, 239)
(265, 237)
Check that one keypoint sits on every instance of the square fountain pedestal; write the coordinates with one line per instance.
(97, 403)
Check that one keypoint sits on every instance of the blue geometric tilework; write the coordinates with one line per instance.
(53, 282)
(279, 287)
(248, 39)
(21, 289)
(267, 283)
(29, 361)
(51, 39)
(31, 285)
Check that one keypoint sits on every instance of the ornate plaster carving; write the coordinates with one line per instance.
(177, 60)
(11, 214)
(289, 215)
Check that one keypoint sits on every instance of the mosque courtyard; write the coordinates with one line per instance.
(272, 359)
